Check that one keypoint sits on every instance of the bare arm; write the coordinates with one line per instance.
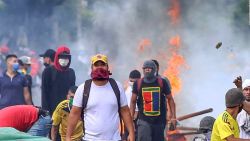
(232, 138)
(133, 104)
(171, 106)
(27, 96)
(169, 113)
(74, 116)
(172, 110)
(127, 119)
(54, 131)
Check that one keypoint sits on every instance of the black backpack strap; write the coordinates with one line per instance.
(117, 94)
(160, 82)
(85, 97)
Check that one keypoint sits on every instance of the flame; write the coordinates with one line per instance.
(174, 12)
(174, 64)
(176, 60)
(175, 41)
(172, 72)
(144, 43)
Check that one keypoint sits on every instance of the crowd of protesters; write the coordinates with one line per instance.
(101, 108)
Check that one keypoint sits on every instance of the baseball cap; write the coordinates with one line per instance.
(49, 53)
(234, 97)
(99, 57)
(25, 60)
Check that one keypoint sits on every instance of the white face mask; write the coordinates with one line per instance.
(63, 62)
(131, 83)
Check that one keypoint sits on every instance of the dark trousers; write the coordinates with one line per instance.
(150, 132)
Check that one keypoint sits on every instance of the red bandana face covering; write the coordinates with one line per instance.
(100, 74)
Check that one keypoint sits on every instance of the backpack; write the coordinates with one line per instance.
(87, 86)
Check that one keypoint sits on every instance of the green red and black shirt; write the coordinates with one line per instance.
(151, 101)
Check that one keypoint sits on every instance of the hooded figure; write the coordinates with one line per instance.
(57, 79)
(149, 76)
(62, 58)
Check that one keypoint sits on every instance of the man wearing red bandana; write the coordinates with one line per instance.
(101, 113)
(57, 79)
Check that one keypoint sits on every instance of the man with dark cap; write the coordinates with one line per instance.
(225, 126)
(151, 93)
(48, 57)
(57, 79)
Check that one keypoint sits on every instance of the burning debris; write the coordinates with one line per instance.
(218, 45)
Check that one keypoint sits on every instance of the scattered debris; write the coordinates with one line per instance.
(218, 45)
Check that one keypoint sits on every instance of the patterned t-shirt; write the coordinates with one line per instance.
(152, 101)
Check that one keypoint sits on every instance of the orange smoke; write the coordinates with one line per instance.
(174, 12)
(144, 44)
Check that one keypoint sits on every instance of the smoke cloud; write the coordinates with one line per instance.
(117, 28)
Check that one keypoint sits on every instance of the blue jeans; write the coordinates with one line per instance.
(41, 127)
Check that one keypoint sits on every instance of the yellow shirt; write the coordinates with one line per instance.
(60, 117)
(224, 126)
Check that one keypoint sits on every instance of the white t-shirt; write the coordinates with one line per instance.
(243, 120)
(128, 94)
(101, 118)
